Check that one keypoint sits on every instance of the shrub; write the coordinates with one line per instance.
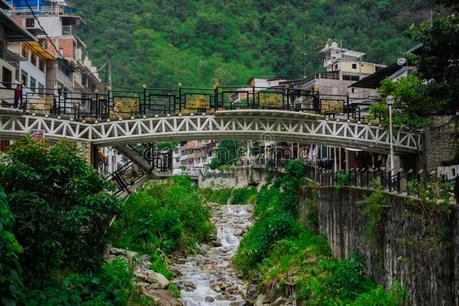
(342, 179)
(164, 215)
(379, 296)
(61, 207)
(219, 195)
(243, 195)
(112, 286)
(373, 209)
(268, 196)
(260, 238)
(289, 186)
(10, 270)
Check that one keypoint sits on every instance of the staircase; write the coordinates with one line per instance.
(144, 164)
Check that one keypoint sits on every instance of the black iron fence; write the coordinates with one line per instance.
(163, 101)
(399, 181)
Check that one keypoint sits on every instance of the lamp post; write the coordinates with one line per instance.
(390, 101)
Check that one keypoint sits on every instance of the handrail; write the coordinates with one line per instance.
(161, 101)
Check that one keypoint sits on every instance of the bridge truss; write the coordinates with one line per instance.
(258, 125)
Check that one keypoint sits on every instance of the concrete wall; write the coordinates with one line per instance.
(440, 138)
(240, 177)
(365, 67)
(430, 275)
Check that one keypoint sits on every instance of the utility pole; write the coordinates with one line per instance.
(109, 75)
(390, 101)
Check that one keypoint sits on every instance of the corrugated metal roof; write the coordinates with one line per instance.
(353, 53)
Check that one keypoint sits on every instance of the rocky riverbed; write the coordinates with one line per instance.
(207, 278)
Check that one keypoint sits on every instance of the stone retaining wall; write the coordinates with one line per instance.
(431, 277)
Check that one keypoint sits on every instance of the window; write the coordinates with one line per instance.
(44, 43)
(30, 23)
(42, 65)
(354, 66)
(336, 67)
(33, 84)
(25, 78)
(16, 75)
(41, 88)
(352, 90)
(24, 52)
(347, 77)
(7, 77)
(2, 49)
(34, 59)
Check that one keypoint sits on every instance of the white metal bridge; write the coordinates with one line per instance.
(261, 125)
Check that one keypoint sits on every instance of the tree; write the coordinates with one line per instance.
(412, 105)
(10, 270)
(61, 205)
(161, 43)
(228, 153)
(438, 60)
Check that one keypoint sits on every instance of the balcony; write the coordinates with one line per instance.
(68, 31)
(56, 10)
(10, 57)
(324, 75)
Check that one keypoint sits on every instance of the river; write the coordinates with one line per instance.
(208, 278)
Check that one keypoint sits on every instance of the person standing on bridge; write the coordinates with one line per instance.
(18, 96)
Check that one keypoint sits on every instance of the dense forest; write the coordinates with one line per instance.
(162, 43)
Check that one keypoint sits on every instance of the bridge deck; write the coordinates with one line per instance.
(249, 124)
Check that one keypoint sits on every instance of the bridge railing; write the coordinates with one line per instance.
(170, 101)
(400, 181)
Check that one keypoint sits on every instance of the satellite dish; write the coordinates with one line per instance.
(401, 61)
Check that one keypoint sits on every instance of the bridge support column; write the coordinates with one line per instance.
(88, 151)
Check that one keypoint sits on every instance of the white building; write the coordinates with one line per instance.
(10, 32)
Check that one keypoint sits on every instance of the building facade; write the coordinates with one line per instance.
(343, 67)
(10, 32)
(55, 25)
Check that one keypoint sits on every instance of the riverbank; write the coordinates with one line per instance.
(289, 263)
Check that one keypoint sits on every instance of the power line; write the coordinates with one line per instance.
(51, 41)
(44, 31)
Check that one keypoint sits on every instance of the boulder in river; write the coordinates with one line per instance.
(162, 297)
(157, 280)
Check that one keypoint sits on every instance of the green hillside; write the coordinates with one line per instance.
(161, 42)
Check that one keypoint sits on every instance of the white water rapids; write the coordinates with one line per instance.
(208, 278)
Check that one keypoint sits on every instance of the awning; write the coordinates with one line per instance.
(37, 48)
(14, 31)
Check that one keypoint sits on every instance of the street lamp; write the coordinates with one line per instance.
(390, 101)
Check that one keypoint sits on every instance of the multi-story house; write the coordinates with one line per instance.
(395, 71)
(343, 68)
(10, 32)
(33, 63)
(55, 25)
(197, 154)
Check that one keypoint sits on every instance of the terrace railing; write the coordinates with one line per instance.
(180, 100)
